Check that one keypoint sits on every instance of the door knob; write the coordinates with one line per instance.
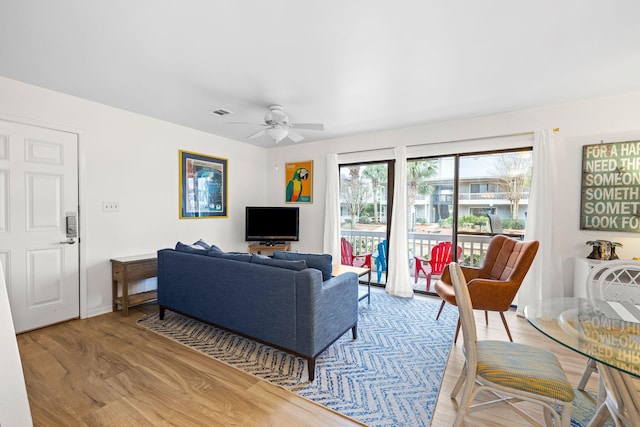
(69, 241)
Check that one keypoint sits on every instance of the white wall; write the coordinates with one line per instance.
(581, 123)
(133, 159)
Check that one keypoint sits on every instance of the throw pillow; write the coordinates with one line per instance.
(282, 263)
(202, 244)
(236, 256)
(192, 249)
(320, 262)
(207, 246)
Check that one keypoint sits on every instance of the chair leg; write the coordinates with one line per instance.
(428, 277)
(440, 311)
(506, 327)
(486, 317)
(455, 339)
(584, 379)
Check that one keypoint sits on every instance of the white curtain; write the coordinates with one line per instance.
(331, 243)
(398, 278)
(544, 279)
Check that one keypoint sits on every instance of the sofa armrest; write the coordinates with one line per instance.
(325, 310)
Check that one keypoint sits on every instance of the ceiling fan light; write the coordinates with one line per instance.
(277, 133)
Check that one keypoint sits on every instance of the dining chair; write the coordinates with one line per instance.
(494, 285)
(616, 283)
(381, 259)
(348, 258)
(441, 256)
(513, 372)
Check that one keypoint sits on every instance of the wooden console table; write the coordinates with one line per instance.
(129, 269)
(268, 250)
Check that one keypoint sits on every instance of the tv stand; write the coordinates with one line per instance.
(268, 248)
(270, 243)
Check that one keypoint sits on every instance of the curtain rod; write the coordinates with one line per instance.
(479, 138)
(505, 135)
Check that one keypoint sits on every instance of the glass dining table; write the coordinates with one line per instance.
(606, 332)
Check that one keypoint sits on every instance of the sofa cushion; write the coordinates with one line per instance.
(207, 246)
(282, 263)
(320, 262)
(202, 244)
(236, 256)
(192, 249)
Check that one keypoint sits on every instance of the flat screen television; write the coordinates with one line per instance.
(271, 224)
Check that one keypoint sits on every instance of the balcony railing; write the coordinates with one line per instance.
(474, 246)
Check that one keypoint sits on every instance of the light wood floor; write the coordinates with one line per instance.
(106, 371)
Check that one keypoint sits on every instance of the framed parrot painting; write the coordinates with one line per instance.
(298, 179)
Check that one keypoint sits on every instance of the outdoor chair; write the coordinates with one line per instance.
(494, 285)
(348, 258)
(495, 224)
(616, 281)
(381, 259)
(512, 372)
(441, 256)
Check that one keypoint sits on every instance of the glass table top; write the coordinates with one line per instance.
(608, 332)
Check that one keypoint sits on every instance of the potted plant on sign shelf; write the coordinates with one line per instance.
(603, 249)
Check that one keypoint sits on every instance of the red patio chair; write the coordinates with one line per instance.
(440, 257)
(348, 258)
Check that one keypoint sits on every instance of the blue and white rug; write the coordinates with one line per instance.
(389, 376)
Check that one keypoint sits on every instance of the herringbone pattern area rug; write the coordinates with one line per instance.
(389, 376)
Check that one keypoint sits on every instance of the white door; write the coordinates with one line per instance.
(38, 201)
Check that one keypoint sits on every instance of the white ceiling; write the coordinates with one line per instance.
(355, 65)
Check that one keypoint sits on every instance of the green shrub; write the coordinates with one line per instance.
(513, 224)
(472, 263)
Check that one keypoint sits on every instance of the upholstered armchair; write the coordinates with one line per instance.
(494, 285)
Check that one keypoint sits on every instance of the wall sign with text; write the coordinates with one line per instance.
(611, 187)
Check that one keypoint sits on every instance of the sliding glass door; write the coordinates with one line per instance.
(464, 199)
(365, 210)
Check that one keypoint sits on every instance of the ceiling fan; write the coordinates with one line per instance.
(278, 127)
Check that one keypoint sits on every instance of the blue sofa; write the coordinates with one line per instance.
(281, 303)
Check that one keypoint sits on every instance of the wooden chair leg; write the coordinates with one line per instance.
(486, 317)
(440, 311)
(455, 339)
(506, 327)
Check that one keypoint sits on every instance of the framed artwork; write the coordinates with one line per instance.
(203, 186)
(611, 187)
(298, 181)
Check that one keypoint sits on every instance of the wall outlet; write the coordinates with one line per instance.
(110, 207)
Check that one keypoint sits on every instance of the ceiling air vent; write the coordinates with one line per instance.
(221, 112)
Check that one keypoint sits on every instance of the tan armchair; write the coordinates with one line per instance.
(494, 285)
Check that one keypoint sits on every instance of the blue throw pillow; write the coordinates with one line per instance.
(207, 246)
(282, 263)
(320, 262)
(191, 249)
(202, 244)
(236, 256)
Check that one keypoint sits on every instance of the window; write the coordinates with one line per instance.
(449, 199)
(365, 206)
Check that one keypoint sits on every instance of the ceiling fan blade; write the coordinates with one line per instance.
(247, 123)
(310, 126)
(295, 136)
(257, 134)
